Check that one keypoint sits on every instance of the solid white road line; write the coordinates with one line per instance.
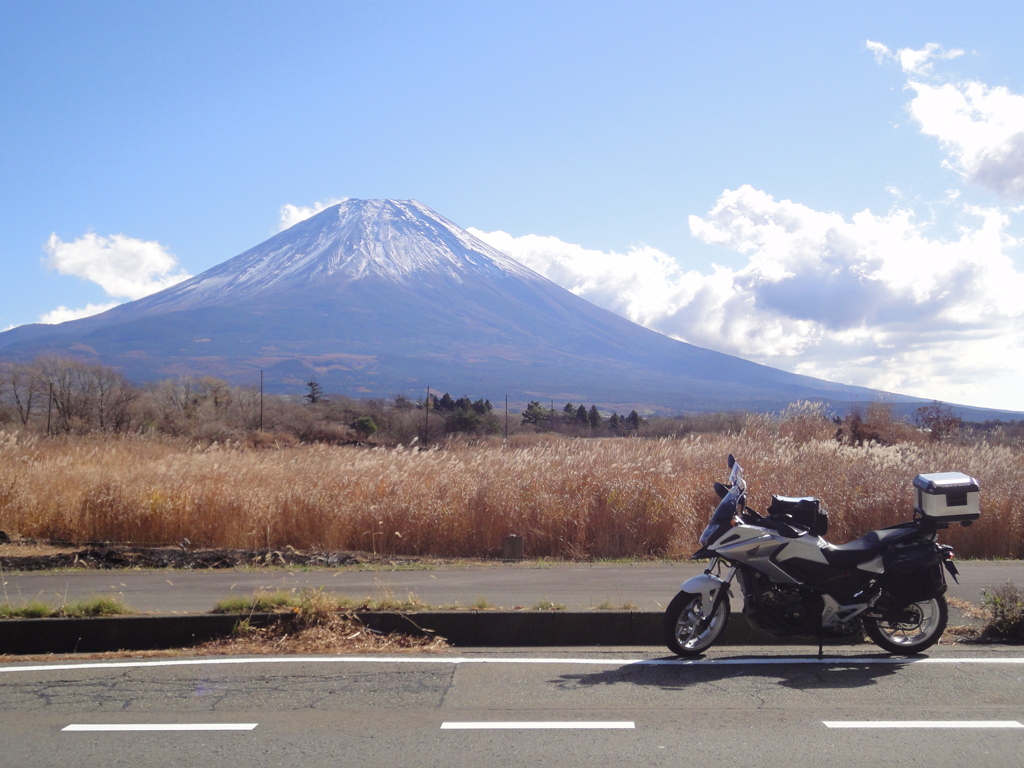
(536, 725)
(605, 662)
(922, 724)
(160, 727)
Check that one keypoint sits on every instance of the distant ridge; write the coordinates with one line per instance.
(385, 297)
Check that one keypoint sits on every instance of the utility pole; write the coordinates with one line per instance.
(506, 417)
(426, 418)
(261, 401)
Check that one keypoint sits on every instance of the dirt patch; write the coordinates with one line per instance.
(338, 634)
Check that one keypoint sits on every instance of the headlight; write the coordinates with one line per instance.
(712, 532)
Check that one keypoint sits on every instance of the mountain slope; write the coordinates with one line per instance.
(380, 297)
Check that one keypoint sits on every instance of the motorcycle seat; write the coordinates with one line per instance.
(867, 547)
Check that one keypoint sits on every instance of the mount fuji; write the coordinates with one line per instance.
(382, 297)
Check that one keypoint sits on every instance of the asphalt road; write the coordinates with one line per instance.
(741, 707)
(647, 586)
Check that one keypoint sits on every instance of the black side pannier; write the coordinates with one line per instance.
(910, 557)
(801, 511)
(913, 572)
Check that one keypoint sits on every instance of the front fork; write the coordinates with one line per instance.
(712, 589)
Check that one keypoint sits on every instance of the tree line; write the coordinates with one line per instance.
(65, 396)
(579, 417)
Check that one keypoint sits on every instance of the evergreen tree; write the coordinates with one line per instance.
(315, 393)
(463, 420)
(595, 417)
(633, 421)
(582, 417)
(535, 413)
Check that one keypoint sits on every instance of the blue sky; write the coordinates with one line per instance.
(830, 190)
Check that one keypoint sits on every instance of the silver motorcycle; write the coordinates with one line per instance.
(888, 583)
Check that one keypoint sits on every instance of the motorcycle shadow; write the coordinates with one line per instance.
(797, 672)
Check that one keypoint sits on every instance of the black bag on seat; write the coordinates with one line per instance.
(802, 511)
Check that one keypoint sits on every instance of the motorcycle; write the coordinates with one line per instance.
(889, 583)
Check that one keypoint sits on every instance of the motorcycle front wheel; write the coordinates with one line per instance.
(680, 624)
(910, 629)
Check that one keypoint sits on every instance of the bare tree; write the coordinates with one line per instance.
(247, 402)
(25, 388)
(84, 396)
(111, 395)
(62, 378)
(938, 420)
(181, 395)
(215, 394)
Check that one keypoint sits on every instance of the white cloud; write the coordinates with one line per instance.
(293, 214)
(980, 128)
(880, 50)
(62, 314)
(638, 284)
(870, 300)
(914, 61)
(919, 62)
(124, 267)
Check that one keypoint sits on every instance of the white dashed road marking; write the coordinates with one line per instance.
(160, 727)
(512, 726)
(922, 724)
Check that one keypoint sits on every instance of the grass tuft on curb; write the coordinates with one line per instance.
(305, 600)
(102, 605)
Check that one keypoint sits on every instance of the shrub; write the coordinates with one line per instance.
(1006, 606)
(364, 426)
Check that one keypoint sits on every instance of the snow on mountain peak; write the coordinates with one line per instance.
(397, 238)
(400, 240)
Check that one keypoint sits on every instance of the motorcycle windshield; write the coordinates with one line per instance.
(721, 520)
(726, 509)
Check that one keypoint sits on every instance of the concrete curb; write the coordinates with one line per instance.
(117, 633)
(460, 628)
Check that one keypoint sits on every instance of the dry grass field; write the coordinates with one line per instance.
(568, 498)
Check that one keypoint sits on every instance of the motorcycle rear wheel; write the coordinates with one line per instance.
(916, 627)
(681, 620)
